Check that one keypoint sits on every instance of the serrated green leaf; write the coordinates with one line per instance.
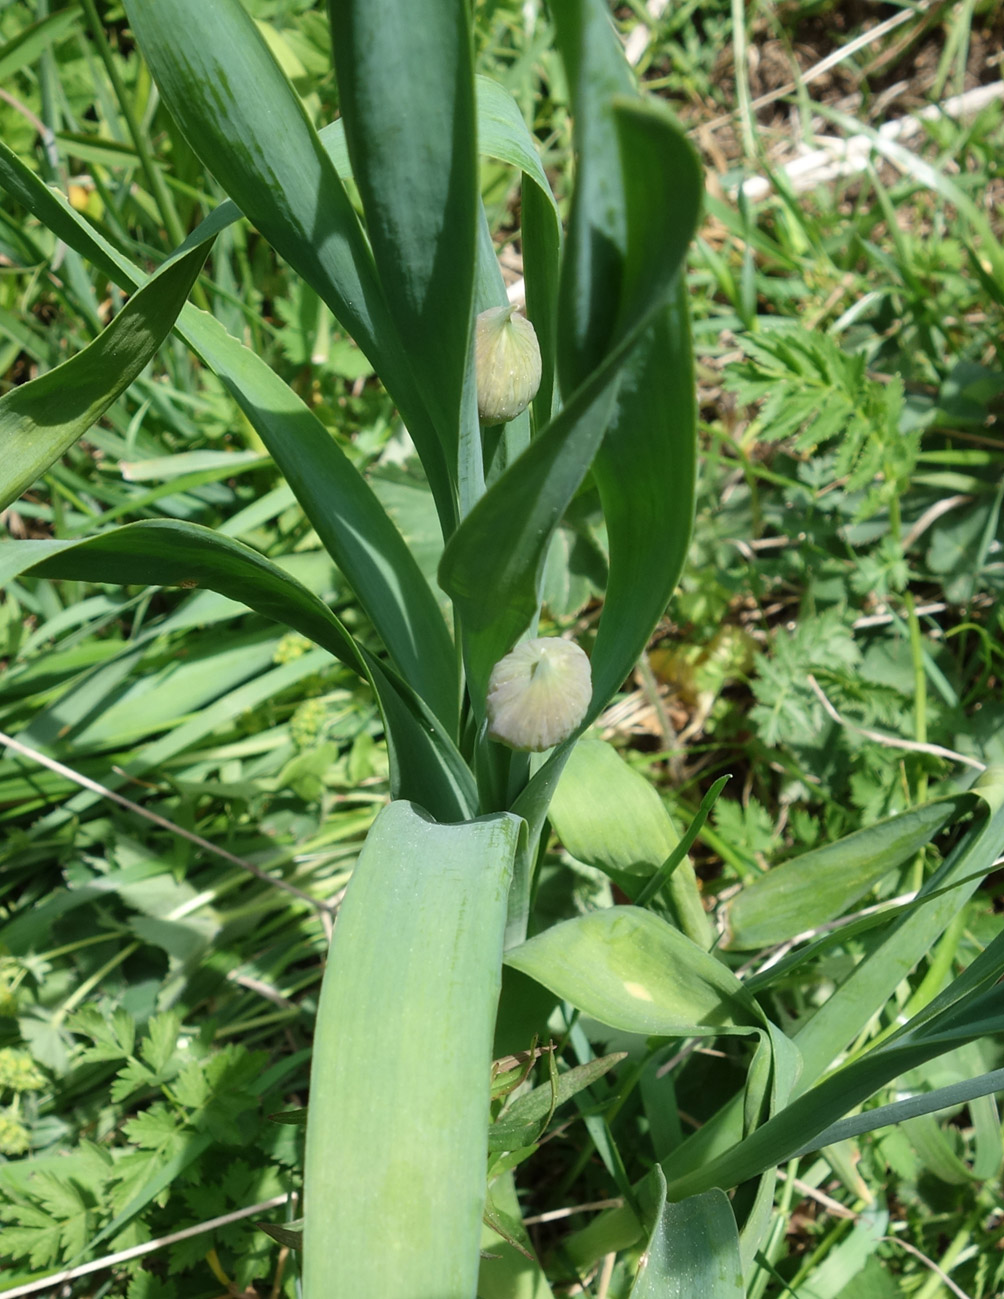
(156, 1128)
(161, 1039)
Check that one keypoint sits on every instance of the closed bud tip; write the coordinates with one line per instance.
(507, 361)
(538, 694)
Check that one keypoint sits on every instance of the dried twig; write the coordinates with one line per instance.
(892, 741)
(137, 1251)
(837, 156)
(830, 61)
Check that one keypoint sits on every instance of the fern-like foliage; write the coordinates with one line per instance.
(812, 393)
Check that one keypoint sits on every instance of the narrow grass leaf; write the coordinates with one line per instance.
(400, 1083)
(340, 505)
(42, 419)
(22, 50)
(524, 1121)
(424, 761)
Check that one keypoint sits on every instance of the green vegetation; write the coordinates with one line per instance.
(743, 936)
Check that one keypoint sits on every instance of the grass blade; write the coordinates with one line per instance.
(339, 503)
(42, 419)
(425, 763)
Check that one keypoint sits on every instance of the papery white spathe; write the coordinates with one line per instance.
(538, 694)
(507, 362)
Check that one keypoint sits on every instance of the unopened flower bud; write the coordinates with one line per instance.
(507, 361)
(538, 694)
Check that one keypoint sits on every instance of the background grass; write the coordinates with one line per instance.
(156, 997)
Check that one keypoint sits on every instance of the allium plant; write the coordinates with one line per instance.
(399, 1114)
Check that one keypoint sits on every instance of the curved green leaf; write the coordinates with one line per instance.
(343, 510)
(637, 194)
(42, 419)
(628, 968)
(492, 565)
(356, 530)
(238, 111)
(425, 763)
(400, 1084)
(406, 91)
(692, 1248)
(646, 471)
(609, 816)
(813, 888)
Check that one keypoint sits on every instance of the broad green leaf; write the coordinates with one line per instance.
(493, 565)
(163, 552)
(645, 471)
(608, 815)
(628, 968)
(891, 956)
(716, 1153)
(503, 134)
(692, 1249)
(354, 527)
(406, 92)
(42, 419)
(637, 195)
(817, 886)
(351, 523)
(242, 117)
(596, 244)
(911, 936)
(400, 1083)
